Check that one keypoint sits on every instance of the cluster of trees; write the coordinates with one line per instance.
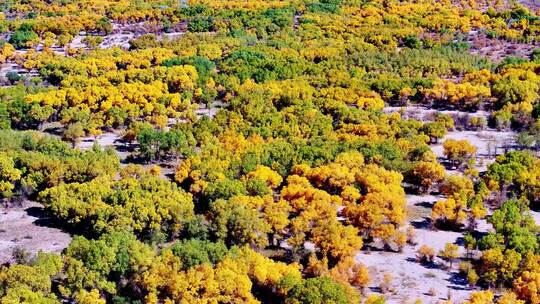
(116, 91)
(119, 208)
(147, 205)
(459, 152)
(157, 144)
(301, 162)
(40, 22)
(33, 162)
(508, 256)
(120, 269)
(511, 92)
(463, 206)
(515, 174)
(332, 68)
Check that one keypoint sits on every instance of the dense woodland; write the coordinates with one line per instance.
(292, 167)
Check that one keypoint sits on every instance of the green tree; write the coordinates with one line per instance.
(449, 253)
(515, 226)
(73, 133)
(21, 38)
(237, 224)
(30, 283)
(195, 252)
(319, 290)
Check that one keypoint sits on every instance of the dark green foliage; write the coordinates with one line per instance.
(234, 223)
(192, 11)
(260, 66)
(511, 60)
(507, 169)
(197, 228)
(224, 189)
(535, 55)
(155, 144)
(112, 257)
(5, 120)
(21, 37)
(280, 17)
(459, 46)
(514, 229)
(195, 252)
(257, 187)
(201, 24)
(325, 6)
(205, 67)
(319, 290)
(412, 42)
(13, 77)
(104, 26)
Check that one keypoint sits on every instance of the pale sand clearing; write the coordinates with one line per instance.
(107, 139)
(488, 142)
(26, 228)
(413, 280)
(536, 217)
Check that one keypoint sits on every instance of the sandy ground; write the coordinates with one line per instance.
(536, 217)
(497, 49)
(413, 280)
(206, 112)
(106, 139)
(488, 142)
(122, 34)
(533, 5)
(26, 228)
(421, 112)
(9, 67)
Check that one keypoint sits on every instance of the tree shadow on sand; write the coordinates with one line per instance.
(44, 219)
(425, 223)
(458, 282)
(427, 265)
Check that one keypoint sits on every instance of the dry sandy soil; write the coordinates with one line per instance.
(489, 142)
(122, 34)
(413, 280)
(26, 228)
(533, 5)
(497, 49)
(421, 112)
(483, 5)
(536, 217)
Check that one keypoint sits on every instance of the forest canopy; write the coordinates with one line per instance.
(265, 152)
